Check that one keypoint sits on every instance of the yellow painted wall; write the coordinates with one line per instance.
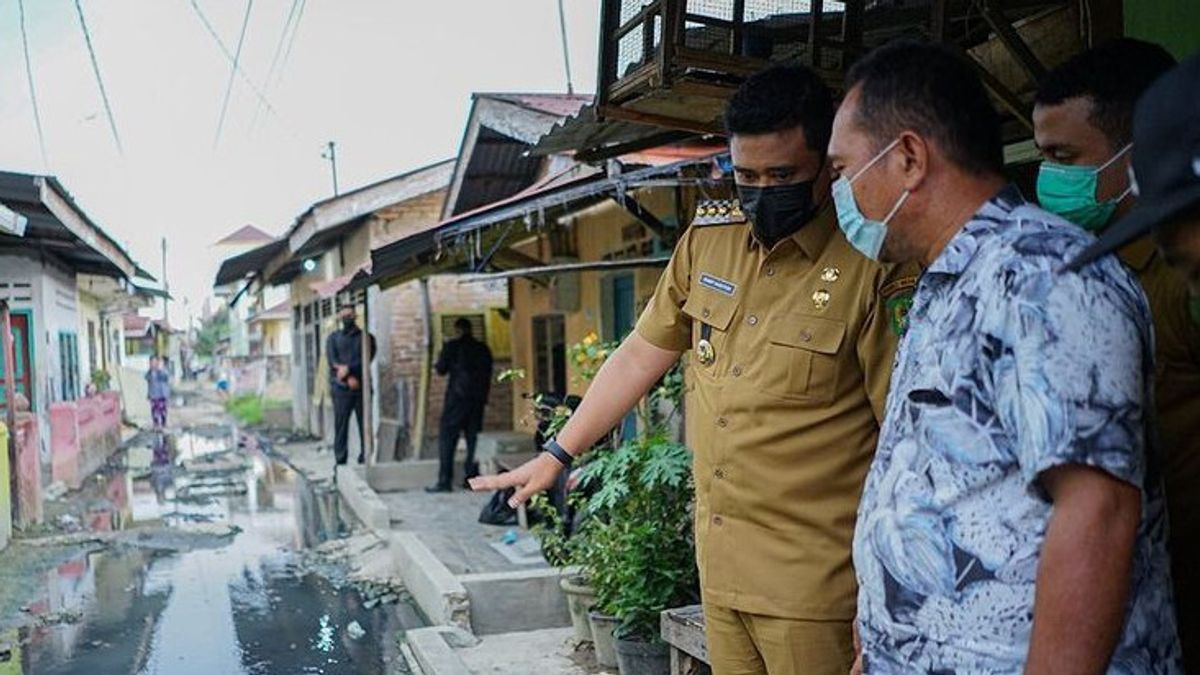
(5, 496)
(599, 233)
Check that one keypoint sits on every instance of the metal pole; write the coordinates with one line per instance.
(368, 435)
(166, 285)
(331, 155)
(10, 406)
(562, 26)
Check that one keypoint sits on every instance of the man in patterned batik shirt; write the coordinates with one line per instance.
(1013, 517)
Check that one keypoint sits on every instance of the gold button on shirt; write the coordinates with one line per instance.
(1177, 405)
(783, 419)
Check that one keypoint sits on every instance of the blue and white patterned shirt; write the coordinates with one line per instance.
(1007, 369)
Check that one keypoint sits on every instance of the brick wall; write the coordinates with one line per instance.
(400, 367)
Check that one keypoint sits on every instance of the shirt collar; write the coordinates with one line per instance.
(965, 244)
(812, 237)
(1138, 254)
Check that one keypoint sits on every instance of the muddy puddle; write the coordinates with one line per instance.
(202, 563)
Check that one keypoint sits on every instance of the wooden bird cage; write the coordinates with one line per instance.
(675, 63)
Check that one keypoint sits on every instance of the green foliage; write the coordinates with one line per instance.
(510, 374)
(247, 409)
(636, 545)
(212, 331)
(101, 380)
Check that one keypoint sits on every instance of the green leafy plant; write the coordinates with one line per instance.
(247, 409)
(101, 380)
(636, 543)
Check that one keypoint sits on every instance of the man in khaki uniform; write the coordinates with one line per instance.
(793, 334)
(1083, 124)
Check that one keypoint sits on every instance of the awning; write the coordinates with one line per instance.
(416, 255)
(589, 138)
(251, 262)
(569, 268)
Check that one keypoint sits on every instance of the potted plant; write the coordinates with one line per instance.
(561, 551)
(639, 547)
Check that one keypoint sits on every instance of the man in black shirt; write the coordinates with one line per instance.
(468, 362)
(343, 350)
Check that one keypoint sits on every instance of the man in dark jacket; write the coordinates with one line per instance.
(343, 350)
(468, 363)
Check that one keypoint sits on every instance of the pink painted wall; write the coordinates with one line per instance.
(83, 434)
(29, 471)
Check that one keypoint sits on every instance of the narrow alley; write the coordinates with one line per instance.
(198, 550)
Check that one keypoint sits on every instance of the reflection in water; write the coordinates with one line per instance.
(248, 607)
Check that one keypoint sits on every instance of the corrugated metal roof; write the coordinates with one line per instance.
(247, 264)
(559, 105)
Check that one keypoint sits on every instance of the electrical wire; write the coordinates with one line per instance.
(237, 55)
(87, 37)
(37, 116)
(292, 40)
(241, 72)
(283, 36)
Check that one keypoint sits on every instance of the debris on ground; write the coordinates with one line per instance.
(355, 631)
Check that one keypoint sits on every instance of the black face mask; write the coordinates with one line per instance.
(347, 325)
(778, 211)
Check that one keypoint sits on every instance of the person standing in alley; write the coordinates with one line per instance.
(792, 333)
(158, 390)
(468, 364)
(343, 350)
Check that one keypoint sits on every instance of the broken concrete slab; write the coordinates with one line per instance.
(504, 602)
(434, 654)
(362, 500)
(437, 592)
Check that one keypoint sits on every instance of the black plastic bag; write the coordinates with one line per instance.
(497, 511)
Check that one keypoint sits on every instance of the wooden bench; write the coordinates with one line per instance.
(683, 629)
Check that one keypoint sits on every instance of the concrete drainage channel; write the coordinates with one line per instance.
(459, 607)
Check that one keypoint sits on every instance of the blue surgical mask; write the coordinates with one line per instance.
(1070, 191)
(864, 234)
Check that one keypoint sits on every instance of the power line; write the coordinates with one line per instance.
(292, 40)
(87, 37)
(37, 116)
(287, 24)
(237, 55)
(212, 32)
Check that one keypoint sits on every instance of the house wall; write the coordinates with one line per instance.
(602, 232)
(399, 324)
(90, 356)
(52, 299)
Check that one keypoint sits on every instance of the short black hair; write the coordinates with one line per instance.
(1114, 76)
(932, 90)
(780, 98)
(463, 325)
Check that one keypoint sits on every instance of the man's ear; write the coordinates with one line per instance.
(914, 153)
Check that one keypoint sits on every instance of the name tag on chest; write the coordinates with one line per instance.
(718, 284)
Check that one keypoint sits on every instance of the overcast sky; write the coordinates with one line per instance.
(388, 80)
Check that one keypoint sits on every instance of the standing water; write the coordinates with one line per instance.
(249, 603)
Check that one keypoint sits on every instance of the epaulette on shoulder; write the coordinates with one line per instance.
(719, 212)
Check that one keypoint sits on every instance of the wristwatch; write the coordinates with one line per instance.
(559, 452)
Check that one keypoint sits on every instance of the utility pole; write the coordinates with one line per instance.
(331, 155)
(562, 25)
(166, 285)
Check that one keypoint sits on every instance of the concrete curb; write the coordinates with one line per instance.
(433, 653)
(437, 591)
(362, 500)
(510, 602)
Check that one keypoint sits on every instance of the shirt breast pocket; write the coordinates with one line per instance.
(715, 311)
(803, 357)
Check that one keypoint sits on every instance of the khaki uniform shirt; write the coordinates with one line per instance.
(783, 421)
(1177, 402)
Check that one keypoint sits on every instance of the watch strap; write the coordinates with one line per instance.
(559, 452)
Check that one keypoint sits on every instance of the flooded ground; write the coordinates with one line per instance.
(249, 598)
